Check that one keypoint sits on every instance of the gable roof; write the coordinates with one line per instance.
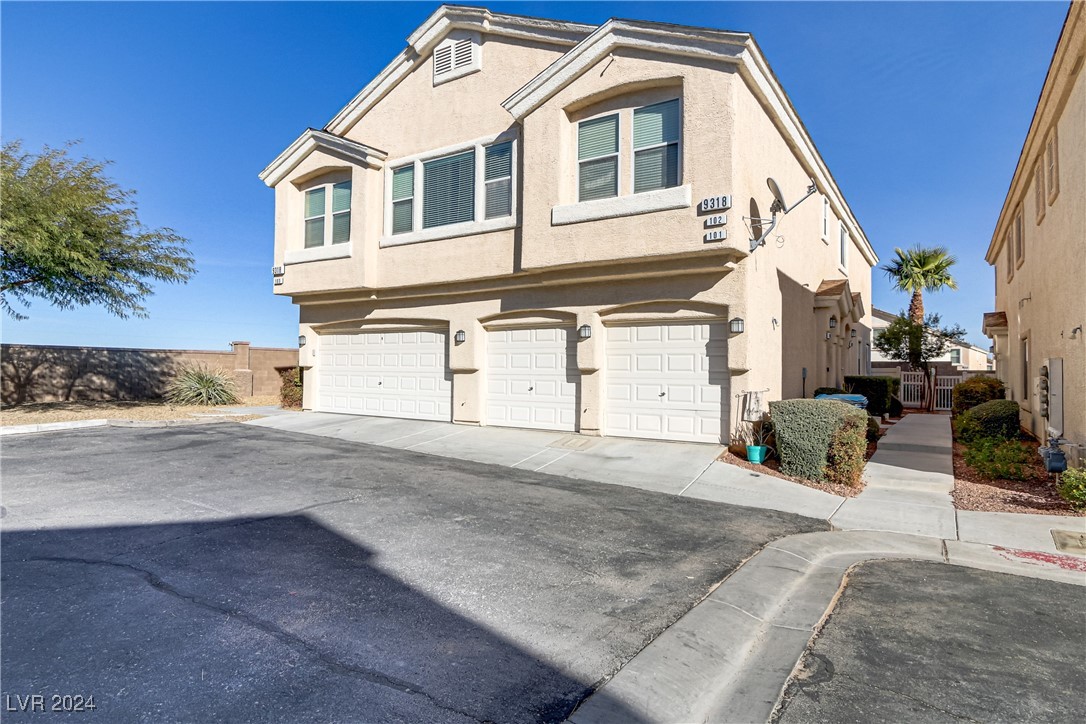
(310, 141)
(738, 49)
(444, 20)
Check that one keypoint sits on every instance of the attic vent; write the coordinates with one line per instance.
(455, 57)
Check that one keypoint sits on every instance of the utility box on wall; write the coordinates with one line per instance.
(1051, 395)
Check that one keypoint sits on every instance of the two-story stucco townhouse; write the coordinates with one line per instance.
(1038, 252)
(505, 227)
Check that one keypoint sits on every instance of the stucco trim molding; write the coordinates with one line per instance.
(452, 231)
(348, 326)
(678, 197)
(317, 253)
(663, 310)
(529, 318)
(313, 140)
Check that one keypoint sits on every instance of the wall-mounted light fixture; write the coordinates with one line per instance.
(460, 336)
(584, 331)
(737, 325)
(828, 335)
(301, 340)
(833, 322)
(852, 334)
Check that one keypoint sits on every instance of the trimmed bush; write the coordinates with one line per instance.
(1072, 487)
(976, 391)
(828, 391)
(998, 459)
(872, 429)
(995, 418)
(896, 408)
(820, 439)
(875, 388)
(290, 392)
(200, 385)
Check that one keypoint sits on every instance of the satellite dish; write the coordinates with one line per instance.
(776, 191)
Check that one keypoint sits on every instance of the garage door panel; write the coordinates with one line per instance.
(532, 378)
(685, 362)
(394, 374)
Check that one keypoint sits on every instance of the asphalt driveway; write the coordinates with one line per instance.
(231, 572)
(927, 642)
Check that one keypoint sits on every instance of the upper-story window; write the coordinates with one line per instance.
(1019, 239)
(453, 189)
(328, 214)
(1039, 191)
(655, 148)
(826, 219)
(955, 356)
(456, 56)
(842, 251)
(1052, 166)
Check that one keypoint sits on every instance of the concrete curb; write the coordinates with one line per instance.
(731, 656)
(80, 424)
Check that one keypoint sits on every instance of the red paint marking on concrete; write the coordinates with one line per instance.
(1068, 563)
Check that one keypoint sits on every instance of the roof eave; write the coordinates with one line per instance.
(312, 140)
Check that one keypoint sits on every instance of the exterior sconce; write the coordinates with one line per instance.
(833, 322)
(460, 336)
(828, 335)
(584, 331)
(737, 325)
(852, 334)
(301, 340)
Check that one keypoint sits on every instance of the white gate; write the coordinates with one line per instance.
(912, 389)
(944, 389)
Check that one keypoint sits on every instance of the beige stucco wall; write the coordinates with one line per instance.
(1045, 300)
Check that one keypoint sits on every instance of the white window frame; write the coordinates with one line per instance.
(959, 355)
(1039, 199)
(633, 151)
(328, 215)
(480, 224)
(1052, 166)
(617, 154)
(450, 44)
(1019, 236)
(826, 219)
(844, 240)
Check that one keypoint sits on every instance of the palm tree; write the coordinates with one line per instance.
(918, 270)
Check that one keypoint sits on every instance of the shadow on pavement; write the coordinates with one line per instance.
(251, 619)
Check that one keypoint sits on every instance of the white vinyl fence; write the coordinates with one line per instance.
(944, 387)
(912, 389)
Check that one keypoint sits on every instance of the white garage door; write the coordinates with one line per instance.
(392, 374)
(532, 378)
(666, 381)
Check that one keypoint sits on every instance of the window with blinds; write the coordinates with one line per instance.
(448, 195)
(597, 158)
(403, 199)
(656, 130)
(322, 202)
(499, 180)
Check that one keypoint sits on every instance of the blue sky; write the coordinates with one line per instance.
(919, 109)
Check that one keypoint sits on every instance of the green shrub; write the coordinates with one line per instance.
(875, 388)
(976, 391)
(198, 384)
(995, 418)
(1072, 487)
(1000, 459)
(811, 433)
(872, 429)
(290, 392)
(828, 391)
(845, 458)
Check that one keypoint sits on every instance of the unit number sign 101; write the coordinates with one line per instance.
(716, 203)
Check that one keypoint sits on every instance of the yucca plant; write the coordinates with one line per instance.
(200, 385)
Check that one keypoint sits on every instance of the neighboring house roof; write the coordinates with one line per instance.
(883, 314)
(1061, 69)
(994, 321)
(310, 141)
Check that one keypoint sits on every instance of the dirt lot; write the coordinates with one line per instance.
(44, 412)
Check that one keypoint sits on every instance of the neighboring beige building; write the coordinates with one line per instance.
(1039, 250)
(525, 222)
(959, 358)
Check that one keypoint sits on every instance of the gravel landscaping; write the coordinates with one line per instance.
(46, 412)
(1036, 494)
